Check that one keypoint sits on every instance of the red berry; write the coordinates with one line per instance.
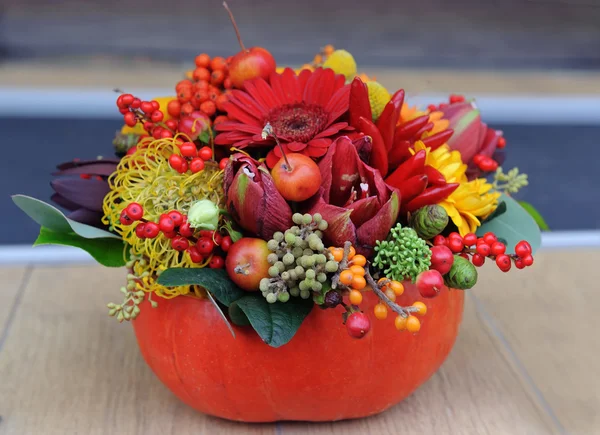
(175, 161)
(478, 260)
(226, 243)
(519, 263)
(205, 153)
(180, 243)
(124, 110)
(439, 240)
(432, 107)
(176, 217)
(147, 107)
(455, 235)
(528, 260)
(196, 165)
(165, 134)
(441, 259)
(139, 230)
(523, 249)
(188, 149)
(148, 126)
(130, 119)
(208, 107)
(487, 164)
(174, 108)
(207, 233)
(501, 142)
(498, 248)
(430, 283)
(470, 239)
(157, 132)
(136, 103)
(155, 105)
(131, 150)
(157, 116)
(358, 324)
(202, 60)
(185, 230)
(483, 249)
(489, 238)
(455, 245)
(456, 98)
(216, 262)
(217, 238)
(120, 103)
(223, 163)
(171, 124)
(135, 211)
(183, 168)
(464, 255)
(195, 255)
(127, 99)
(151, 230)
(170, 234)
(205, 245)
(478, 158)
(166, 224)
(125, 219)
(504, 263)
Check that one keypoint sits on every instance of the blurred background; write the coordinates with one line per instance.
(533, 65)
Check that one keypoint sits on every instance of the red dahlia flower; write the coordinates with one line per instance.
(303, 111)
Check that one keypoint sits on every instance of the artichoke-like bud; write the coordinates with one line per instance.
(462, 274)
(204, 214)
(429, 221)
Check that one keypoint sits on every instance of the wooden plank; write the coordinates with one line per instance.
(11, 279)
(550, 321)
(475, 392)
(67, 367)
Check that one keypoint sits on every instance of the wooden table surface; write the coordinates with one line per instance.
(526, 361)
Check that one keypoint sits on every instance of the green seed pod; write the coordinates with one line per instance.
(429, 221)
(204, 214)
(462, 274)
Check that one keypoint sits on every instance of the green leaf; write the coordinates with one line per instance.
(501, 209)
(53, 219)
(237, 316)
(215, 281)
(204, 137)
(275, 323)
(537, 217)
(108, 252)
(218, 308)
(513, 226)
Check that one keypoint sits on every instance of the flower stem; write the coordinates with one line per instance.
(235, 27)
(403, 311)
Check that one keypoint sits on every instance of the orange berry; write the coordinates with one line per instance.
(218, 63)
(202, 96)
(202, 60)
(359, 260)
(208, 107)
(355, 297)
(174, 108)
(187, 108)
(397, 286)
(338, 253)
(422, 308)
(346, 277)
(383, 280)
(202, 85)
(183, 84)
(318, 59)
(358, 270)
(201, 74)
(184, 95)
(358, 282)
(400, 323)
(328, 49)
(380, 311)
(352, 253)
(227, 84)
(413, 324)
(217, 77)
(390, 294)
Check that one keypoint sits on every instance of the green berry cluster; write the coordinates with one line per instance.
(299, 261)
(402, 255)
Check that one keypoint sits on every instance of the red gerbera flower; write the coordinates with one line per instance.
(303, 111)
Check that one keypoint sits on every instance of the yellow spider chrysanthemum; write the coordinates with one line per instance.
(139, 127)
(472, 200)
(146, 177)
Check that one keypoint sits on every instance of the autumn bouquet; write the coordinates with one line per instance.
(268, 193)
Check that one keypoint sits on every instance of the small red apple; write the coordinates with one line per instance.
(249, 63)
(247, 264)
(442, 259)
(297, 178)
(194, 124)
(430, 283)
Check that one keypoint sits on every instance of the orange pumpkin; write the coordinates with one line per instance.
(322, 374)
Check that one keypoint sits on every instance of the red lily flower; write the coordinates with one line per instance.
(303, 110)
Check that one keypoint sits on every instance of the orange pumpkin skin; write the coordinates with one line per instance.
(322, 374)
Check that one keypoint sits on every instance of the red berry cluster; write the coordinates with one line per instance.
(454, 98)
(205, 90)
(485, 163)
(478, 248)
(174, 226)
(190, 158)
(148, 113)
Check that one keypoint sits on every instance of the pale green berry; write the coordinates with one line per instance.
(297, 252)
(271, 298)
(273, 271)
(272, 245)
(323, 225)
(331, 266)
(288, 259)
(299, 270)
(278, 236)
(295, 291)
(320, 259)
(293, 275)
(317, 218)
(272, 258)
(283, 297)
(297, 218)
(304, 294)
(321, 277)
(280, 266)
(290, 237)
(308, 252)
(317, 286)
(264, 285)
(285, 275)
(308, 261)
(314, 244)
(319, 234)
(310, 274)
(303, 286)
(306, 219)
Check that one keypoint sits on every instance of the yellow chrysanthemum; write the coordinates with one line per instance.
(139, 128)
(378, 98)
(472, 200)
(341, 62)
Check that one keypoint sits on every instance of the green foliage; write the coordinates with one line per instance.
(462, 275)
(537, 217)
(403, 255)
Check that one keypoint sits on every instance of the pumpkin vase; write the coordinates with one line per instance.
(322, 374)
